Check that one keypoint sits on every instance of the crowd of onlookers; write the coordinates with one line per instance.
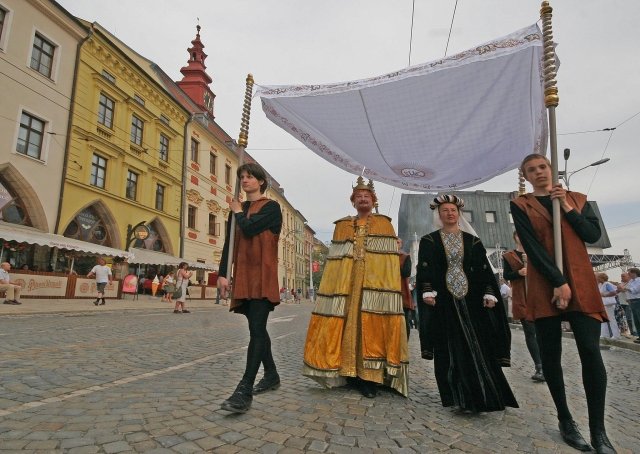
(621, 301)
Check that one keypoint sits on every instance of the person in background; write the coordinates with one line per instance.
(515, 270)
(103, 276)
(624, 303)
(408, 305)
(632, 291)
(608, 292)
(184, 274)
(571, 294)
(12, 289)
(168, 286)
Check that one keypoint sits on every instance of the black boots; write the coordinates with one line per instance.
(103, 302)
(538, 375)
(240, 401)
(267, 383)
(571, 435)
(601, 443)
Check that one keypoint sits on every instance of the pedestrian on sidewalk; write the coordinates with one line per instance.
(515, 270)
(608, 292)
(182, 284)
(632, 291)
(168, 287)
(627, 327)
(572, 295)
(255, 280)
(11, 289)
(103, 276)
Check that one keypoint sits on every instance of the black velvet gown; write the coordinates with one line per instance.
(468, 342)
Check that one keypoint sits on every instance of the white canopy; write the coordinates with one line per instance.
(450, 123)
(149, 257)
(30, 235)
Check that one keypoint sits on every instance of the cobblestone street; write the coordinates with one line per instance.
(148, 380)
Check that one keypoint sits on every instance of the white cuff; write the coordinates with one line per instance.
(432, 294)
(490, 298)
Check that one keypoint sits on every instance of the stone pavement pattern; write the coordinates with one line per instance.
(108, 380)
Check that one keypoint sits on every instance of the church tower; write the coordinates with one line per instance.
(195, 81)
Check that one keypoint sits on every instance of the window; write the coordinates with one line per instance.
(212, 164)
(137, 127)
(98, 170)
(227, 174)
(42, 55)
(164, 147)
(3, 17)
(160, 197)
(138, 99)
(212, 225)
(106, 107)
(490, 217)
(132, 185)
(30, 136)
(108, 76)
(194, 150)
(191, 217)
(468, 215)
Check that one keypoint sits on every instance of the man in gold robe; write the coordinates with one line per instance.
(357, 331)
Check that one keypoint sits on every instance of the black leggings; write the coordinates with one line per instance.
(257, 313)
(586, 331)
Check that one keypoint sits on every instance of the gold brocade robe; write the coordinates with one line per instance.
(358, 327)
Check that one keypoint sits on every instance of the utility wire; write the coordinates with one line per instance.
(413, 10)
(451, 28)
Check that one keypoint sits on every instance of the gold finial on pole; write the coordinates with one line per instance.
(551, 97)
(551, 100)
(521, 187)
(243, 140)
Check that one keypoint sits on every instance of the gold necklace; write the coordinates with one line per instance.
(359, 252)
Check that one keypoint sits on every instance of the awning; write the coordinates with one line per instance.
(149, 257)
(451, 123)
(30, 235)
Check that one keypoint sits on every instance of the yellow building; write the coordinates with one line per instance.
(124, 163)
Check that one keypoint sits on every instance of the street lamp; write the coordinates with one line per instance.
(566, 176)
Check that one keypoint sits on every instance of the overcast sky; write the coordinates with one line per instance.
(320, 41)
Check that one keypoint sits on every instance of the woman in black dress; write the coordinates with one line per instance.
(463, 325)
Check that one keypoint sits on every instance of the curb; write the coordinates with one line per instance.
(626, 344)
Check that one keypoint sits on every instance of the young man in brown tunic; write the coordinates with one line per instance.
(515, 271)
(572, 295)
(255, 280)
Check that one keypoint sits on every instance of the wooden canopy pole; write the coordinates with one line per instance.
(551, 100)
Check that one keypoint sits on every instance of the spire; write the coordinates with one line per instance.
(195, 81)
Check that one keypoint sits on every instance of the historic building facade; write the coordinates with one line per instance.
(38, 47)
(125, 156)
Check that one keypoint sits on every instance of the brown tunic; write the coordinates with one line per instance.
(578, 271)
(255, 264)
(518, 287)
